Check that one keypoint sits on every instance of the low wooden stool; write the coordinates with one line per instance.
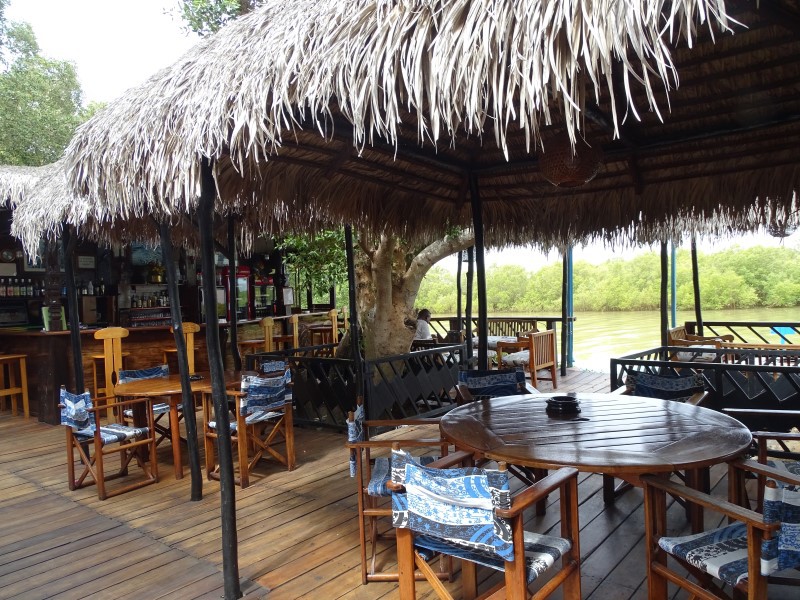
(9, 387)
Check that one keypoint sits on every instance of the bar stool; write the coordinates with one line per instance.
(15, 365)
(270, 341)
(189, 329)
(110, 360)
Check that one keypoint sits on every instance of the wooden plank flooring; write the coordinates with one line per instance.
(297, 532)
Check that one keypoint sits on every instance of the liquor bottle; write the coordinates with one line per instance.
(90, 288)
(15, 287)
(101, 288)
(2, 288)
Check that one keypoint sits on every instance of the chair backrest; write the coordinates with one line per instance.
(75, 409)
(112, 354)
(781, 504)
(453, 505)
(543, 349)
(128, 375)
(676, 333)
(189, 329)
(501, 382)
(265, 393)
(664, 387)
(333, 315)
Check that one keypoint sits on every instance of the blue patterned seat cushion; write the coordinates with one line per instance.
(76, 414)
(382, 474)
(789, 466)
(541, 552)
(722, 552)
(679, 389)
(126, 376)
(453, 504)
(502, 382)
(263, 396)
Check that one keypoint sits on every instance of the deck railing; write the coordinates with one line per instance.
(510, 326)
(751, 332)
(734, 378)
(406, 385)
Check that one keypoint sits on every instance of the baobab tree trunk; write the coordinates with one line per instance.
(388, 283)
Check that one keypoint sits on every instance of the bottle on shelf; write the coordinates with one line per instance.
(90, 288)
(101, 288)
(15, 288)
(2, 288)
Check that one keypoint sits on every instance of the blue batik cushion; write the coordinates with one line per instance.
(76, 414)
(722, 552)
(263, 396)
(382, 473)
(75, 411)
(502, 382)
(791, 467)
(520, 358)
(679, 389)
(355, 433)
(273, 367)
(453, 504)
(126, 376)
(455, 516)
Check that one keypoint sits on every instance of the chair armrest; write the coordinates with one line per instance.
(776, 435)
(404, 442)
(725, 507)
(402, 422)
(538, 491)
(529, 389)
(767, 471)
(698, 399)
(516, 346)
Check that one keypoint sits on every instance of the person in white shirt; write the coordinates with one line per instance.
(423, 325)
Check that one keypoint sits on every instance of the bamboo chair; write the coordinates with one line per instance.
(446, 512)
(262, 419)
(189, 329)
(95, 443)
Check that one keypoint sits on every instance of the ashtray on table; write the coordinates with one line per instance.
(563, 405)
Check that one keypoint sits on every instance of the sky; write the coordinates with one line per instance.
(118, 44)
(115, 44)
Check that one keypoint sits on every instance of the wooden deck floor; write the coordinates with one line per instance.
(297, 531)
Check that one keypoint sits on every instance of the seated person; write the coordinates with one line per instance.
(423, 331)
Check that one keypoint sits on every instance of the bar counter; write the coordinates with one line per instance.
(50, 359)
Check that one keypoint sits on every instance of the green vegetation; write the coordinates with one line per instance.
(40, 98)
(734, 278)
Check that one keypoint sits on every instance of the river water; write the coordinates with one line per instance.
(599, 336)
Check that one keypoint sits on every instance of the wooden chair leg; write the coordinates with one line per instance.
(553, 372)
(23, 382)
(244, 471)
(405, 564)
(288, 423)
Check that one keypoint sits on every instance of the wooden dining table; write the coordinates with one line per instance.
(613, 434)
(170, 389)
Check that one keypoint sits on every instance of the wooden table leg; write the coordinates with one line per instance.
(175, 435)
(697, 479)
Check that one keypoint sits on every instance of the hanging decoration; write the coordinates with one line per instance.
(563, 167)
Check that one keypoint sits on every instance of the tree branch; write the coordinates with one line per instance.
(435, 252)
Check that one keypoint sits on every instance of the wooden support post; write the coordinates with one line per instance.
(69, 242)
(187, 400)
(483, 318)
(230, 558)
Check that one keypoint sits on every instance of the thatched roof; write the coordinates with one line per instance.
(379, 113)
(42, 204)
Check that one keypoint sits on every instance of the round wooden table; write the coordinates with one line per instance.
(623, 436)
(170, 388)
